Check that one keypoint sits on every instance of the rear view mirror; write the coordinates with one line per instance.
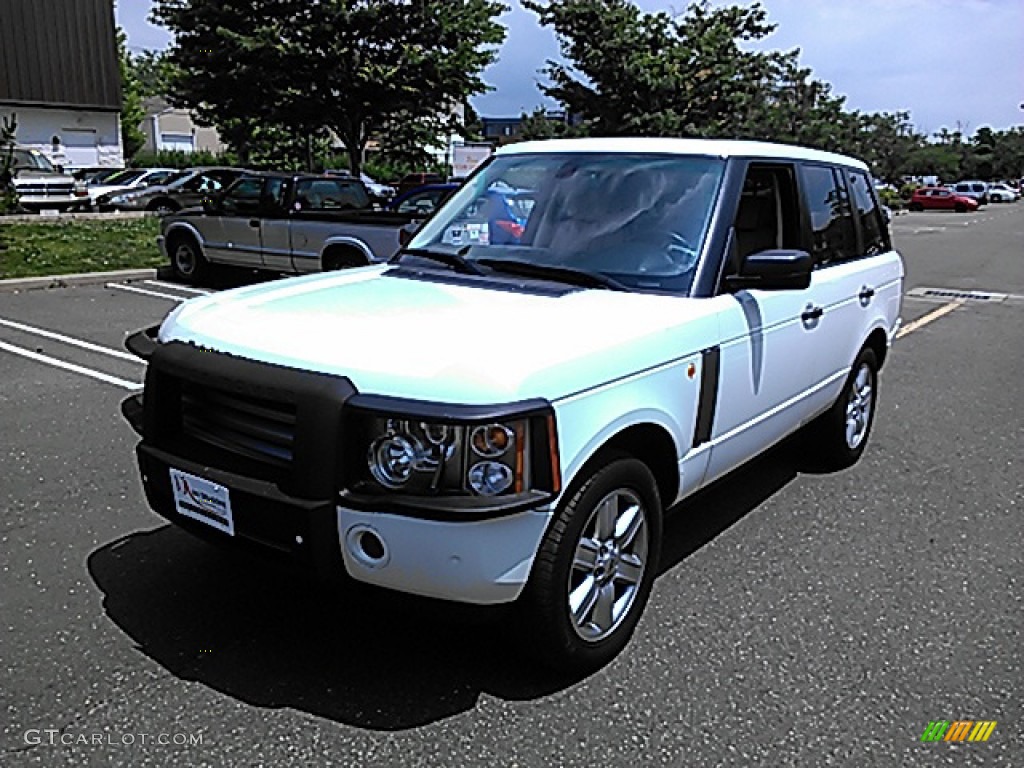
(775, 269)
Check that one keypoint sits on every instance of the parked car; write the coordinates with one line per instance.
(1002, 193)
(283, 223)
(94, 174)
(941, 199)
(490, 423)
(183, 189)
(410, 181)
(976, 189)
(422, 201)
(41, 187)
(128, 180)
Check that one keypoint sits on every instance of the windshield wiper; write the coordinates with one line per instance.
(456, 261)
(568, 275)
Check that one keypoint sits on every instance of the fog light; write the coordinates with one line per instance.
(489, 478)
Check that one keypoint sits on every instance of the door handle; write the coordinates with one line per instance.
(254, 223)
(865, 295)
(812, 313)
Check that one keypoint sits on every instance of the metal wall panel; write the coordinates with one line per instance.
(59, 53)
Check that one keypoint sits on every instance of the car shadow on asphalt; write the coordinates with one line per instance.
(354, 654)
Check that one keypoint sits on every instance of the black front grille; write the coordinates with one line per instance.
(258, 429)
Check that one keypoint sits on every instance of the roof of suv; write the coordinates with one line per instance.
(706, 147)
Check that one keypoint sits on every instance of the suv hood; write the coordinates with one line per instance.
(35, 176)
(440, 341)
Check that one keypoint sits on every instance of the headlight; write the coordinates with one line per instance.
(424, 457)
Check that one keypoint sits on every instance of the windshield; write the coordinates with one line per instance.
(32, 159)
(123, 177)
(637, 219)
(179, 178)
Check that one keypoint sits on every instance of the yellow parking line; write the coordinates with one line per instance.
(922, 321)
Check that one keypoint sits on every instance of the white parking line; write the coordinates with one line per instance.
(932, 316)
(177, 287)
(70, 340)
(125, 384)
(144, 292)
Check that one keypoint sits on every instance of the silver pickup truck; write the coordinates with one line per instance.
(281, 223)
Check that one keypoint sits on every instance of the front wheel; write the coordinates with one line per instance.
(842, 432)
(595, 568)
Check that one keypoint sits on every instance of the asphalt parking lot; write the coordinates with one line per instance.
(801, 618)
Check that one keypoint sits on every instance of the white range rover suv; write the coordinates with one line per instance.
(587, 332)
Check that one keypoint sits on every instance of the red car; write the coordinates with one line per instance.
(941, 199)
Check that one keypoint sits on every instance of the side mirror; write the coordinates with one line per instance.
(775, 269)
(406, 233)
(211, 204)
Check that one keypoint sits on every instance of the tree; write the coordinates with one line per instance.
(353, 67)
(153, 72)
(651, 74)
(8, 138)
(132, 113)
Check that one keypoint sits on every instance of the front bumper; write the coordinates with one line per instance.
(483, 561)
(161, 243)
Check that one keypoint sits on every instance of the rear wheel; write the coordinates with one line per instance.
(187, 260)
(841, 433)
(595, 568)
(915, 207)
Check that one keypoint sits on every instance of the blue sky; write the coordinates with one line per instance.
(949, 62)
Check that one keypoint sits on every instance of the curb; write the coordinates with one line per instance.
(63, 218)
(18, 284)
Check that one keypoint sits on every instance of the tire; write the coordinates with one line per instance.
(840, 434)
(187, 260)
(342, 258)
(960, 208)
(162, 207)
(584, 560)
(915, 207)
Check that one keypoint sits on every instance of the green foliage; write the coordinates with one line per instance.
(173, 158)
(301, 67)
(537, 125)
(132, 113)
(153, 72)
(8, 134)
(636, 73)
(891, 198)
(65, 247)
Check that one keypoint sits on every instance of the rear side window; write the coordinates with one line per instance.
(330, 195)
(833, 237)
(868, 213)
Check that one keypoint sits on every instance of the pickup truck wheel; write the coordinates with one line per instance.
(343, 258)
(595, 567)
(842, 432)
(187, 261)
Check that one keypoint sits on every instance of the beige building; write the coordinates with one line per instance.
(172, 128)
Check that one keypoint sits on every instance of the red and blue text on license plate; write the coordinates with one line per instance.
(202, 500)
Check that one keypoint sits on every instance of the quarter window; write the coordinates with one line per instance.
(832, 234)
(868, 214)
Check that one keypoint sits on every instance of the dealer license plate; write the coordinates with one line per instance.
(202, 500)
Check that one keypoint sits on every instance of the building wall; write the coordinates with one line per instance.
(171, 129)
(85, 137)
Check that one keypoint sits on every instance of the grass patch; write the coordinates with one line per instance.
(40, 249)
